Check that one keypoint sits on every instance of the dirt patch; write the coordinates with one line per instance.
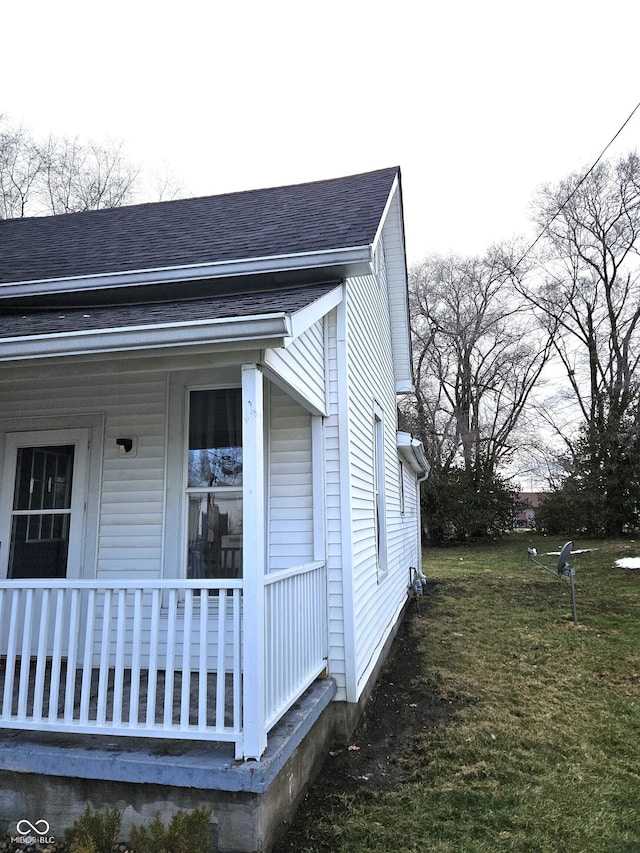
(571, 626)
(401, 708)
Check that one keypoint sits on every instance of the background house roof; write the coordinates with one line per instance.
(303, 218)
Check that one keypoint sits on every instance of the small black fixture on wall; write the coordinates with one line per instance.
(127, 446)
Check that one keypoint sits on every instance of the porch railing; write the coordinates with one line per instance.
(296, 635)
(154, 658)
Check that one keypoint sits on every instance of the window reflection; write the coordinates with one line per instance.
(215, 535)
(214, 481)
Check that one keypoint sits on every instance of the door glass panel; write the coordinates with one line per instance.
(214, 484)
(41, 513)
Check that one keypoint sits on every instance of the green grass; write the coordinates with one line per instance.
(543, 753)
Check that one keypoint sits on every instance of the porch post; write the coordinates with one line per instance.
(254, 562)
(318, 488)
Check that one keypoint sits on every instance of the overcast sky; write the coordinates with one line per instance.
(478, 102)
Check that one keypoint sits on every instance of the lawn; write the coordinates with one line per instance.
(514, 729)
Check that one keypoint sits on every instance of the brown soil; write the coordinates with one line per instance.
(378, 756)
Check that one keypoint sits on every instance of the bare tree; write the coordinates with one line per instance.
(62, 175)
(477, 358)
(165, 184)
(77, 177)
(20, 169)
(588, 292)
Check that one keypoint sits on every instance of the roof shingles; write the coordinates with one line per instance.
(90, 319)
(314, 217)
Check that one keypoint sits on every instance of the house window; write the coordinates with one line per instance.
(214, 484)
(401, 485)
(378, 488)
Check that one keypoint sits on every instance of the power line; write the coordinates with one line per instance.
(580, 183)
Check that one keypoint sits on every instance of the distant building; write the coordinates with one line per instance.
(529, 503)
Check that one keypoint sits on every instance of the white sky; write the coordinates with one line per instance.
(478, 102)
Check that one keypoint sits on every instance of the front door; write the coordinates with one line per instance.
(42, 504)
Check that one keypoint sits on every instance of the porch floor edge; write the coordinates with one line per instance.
(183, 764)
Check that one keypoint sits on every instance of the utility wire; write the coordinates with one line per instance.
(579, 184)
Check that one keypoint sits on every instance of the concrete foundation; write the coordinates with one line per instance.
(347, 714)
(54, 777)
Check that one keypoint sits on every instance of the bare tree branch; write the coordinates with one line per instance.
(477, 358)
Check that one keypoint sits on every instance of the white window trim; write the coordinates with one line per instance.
(79, 438)
(180, 385)
(379, 497)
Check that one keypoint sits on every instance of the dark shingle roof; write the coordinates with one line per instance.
(313, 217)
(214, 307)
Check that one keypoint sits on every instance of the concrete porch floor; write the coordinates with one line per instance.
(54, 776)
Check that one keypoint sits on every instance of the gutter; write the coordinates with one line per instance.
(412, 452)
(356, 256)
(274, 328)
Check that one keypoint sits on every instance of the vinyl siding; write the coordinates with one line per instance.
(379, 586)
(336, 559)
(132, 509)
(131, 504)
(290, 498)
(393, 240)
(301, 365)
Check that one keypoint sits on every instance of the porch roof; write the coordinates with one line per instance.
(266, 317)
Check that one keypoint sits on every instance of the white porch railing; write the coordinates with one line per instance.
(145, 658)
(153, 658)
(296, 635)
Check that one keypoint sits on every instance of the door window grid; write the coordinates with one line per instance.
(43, 491)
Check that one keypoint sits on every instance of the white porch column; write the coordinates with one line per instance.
(318, 487)
(254, 562)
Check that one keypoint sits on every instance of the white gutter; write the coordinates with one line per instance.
(412, 452)
(356, 255)
(275, 328)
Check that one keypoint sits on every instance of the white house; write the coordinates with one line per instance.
(205, 505)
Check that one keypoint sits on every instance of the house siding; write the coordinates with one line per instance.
(393, 242)
(337, 560)
(131, 501)
(132, 507)
(290, 503)
(302, 364)
(379, 585)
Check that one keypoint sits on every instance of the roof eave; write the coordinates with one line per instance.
(351, 261)
(273, 330)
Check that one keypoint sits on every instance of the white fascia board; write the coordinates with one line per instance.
(356, 255)
(305, 318)
(259, 329)
(412, 452)
(392, 194)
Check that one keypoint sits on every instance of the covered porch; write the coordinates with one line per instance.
(159, 659)
(218, 654)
